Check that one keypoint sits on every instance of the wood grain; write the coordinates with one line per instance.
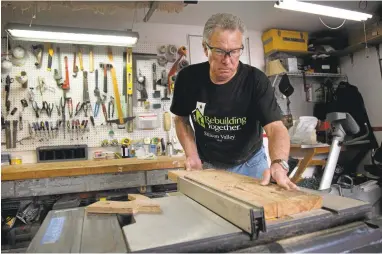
(124, 207)
(277, 202)
(173, 175)
(137, 197)
(77, 168)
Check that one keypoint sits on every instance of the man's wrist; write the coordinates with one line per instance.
(282, 163)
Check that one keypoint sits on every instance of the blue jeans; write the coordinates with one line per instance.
(254, 167)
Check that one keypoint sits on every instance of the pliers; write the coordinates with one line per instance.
(96, 106)
(36, 108)
(48, 107)
(70, 107)
(82, 106)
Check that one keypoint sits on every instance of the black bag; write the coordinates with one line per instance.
(348, 99)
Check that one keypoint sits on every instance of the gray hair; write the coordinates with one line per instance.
(223, 21)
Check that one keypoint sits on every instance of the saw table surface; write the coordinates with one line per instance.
(183, 226)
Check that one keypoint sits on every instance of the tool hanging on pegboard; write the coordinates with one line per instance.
(50, 57)
(182, 52)
(121, 120)
(129, 85)
(58, 71)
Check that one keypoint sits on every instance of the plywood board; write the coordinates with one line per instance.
(124, 207)
(77, 168)
(276, 201)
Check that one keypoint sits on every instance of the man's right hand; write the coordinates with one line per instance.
(193, 163)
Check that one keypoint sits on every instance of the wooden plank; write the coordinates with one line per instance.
(173, 175)
(60, 232)
(277, 202)
(102, 234)
(234, 211)
(137, 197)
(77, 168)
(124, 207)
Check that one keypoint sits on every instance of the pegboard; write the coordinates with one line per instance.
(93, 136)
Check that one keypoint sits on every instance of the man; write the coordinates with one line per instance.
(229, 103)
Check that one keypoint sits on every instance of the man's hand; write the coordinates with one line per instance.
(193, 163)
(279, 175)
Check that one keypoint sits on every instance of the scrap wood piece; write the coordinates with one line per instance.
(137, 197)
(124, 207)
(276, 201)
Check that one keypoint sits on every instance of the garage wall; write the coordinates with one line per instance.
(364, 73)
(148, 32)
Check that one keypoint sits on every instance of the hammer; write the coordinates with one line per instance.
(105, 67)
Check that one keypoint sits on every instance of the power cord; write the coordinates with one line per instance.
(333, 28)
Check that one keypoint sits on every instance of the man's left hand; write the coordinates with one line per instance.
(278, 173)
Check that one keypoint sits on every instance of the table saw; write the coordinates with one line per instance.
(184, 225)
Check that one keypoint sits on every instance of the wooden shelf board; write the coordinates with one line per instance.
(91, 167)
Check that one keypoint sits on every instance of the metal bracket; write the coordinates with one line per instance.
(258, 223)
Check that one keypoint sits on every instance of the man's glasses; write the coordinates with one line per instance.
(222, 53)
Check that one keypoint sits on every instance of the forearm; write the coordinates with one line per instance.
(278, 143)
(185, 135)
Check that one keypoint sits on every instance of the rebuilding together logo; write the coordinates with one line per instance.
(215, 123)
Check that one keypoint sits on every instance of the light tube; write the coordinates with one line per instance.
(294, 5)
(72, 35)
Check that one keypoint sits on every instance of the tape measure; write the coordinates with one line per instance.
(155, 141)
(146, 140)
(126, 141)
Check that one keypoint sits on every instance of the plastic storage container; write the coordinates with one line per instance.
(148, 121)
(284, 40)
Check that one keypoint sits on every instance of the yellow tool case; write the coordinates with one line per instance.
(283, 40)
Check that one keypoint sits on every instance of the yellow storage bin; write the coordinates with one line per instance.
(284, 40)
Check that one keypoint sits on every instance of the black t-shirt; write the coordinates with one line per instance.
(228, 118)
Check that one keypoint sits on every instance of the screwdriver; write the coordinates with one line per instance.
(42, 126)
(47, 127)
(92, 121)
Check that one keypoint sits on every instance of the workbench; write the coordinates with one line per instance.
(186, 226)
(82, 176)
(308, 152)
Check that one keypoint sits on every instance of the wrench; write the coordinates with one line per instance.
(75, 67)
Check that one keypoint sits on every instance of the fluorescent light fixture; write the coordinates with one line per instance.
(72, 35)
(294, 5)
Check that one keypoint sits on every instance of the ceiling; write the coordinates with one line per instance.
(257, 15)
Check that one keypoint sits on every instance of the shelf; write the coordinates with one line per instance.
(310, 74)
(339, 53)
(292, 52)
(357, 47)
